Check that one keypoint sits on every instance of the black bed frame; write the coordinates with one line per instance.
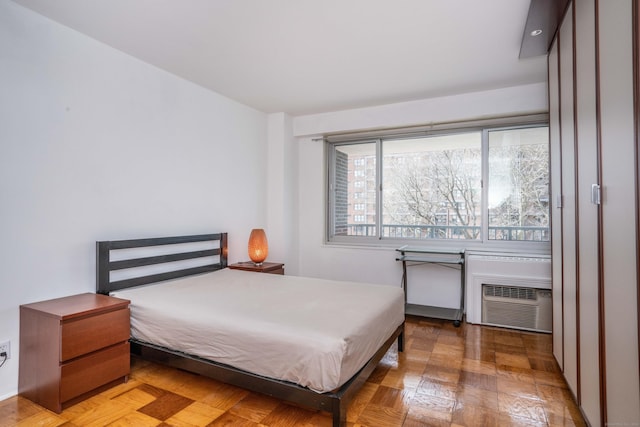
(335, 402)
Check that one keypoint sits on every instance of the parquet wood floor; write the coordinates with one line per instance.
(467, 376)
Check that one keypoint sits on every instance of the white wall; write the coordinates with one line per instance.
(96, 145)
(282, 188)
(470, 106)
(378, 265)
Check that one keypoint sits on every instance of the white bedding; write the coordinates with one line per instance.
(316, 333)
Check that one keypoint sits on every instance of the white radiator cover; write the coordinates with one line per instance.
(509, 308)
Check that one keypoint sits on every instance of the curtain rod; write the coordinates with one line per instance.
(523, 119)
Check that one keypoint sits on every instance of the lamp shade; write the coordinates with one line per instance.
(258, 246)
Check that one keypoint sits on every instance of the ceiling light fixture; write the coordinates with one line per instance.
(535, 33)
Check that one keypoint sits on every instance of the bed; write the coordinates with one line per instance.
(318, 340)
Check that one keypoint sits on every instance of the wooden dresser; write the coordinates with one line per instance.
(71, 347)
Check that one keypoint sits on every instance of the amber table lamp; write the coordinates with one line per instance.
(258, 246)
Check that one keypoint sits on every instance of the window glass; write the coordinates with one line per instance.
(354, 179)
(518, 191)
(432, 187)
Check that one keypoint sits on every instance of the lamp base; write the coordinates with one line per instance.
(257, 264)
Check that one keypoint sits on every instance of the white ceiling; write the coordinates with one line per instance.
(312, 56)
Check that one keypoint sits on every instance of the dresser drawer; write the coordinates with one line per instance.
(71, 346)
(92, 371)
(92, 333)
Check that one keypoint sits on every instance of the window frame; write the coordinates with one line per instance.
(378, 240)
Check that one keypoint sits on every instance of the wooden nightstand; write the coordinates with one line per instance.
(71, 347)
(266, 267)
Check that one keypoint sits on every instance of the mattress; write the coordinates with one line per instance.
(312, 332)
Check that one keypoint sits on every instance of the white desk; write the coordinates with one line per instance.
(412, 255)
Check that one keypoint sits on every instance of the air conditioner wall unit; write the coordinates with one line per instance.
(517, 307)
(506, 270)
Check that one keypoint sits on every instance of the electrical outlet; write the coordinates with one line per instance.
(5, 347)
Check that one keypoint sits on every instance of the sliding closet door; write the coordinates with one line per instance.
(620, 300)
(588, 176)
(556, 197)
(593, 131)
(569, 262)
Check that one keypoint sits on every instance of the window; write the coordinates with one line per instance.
(518, 196)
(430, 187)
(346, 221)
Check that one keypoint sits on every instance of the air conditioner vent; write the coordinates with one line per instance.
(517, 307)
(514, 292)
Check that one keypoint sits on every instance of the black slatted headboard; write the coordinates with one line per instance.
(104, 265)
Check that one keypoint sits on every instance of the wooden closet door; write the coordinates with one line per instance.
(569, 212)
(594, 125)
(619, 234)
(587, 175)
(555, 155)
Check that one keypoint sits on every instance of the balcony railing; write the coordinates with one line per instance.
(459, 232)
(521, 233)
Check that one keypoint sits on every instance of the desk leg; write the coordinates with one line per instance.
(458, 321)
(404, 280)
